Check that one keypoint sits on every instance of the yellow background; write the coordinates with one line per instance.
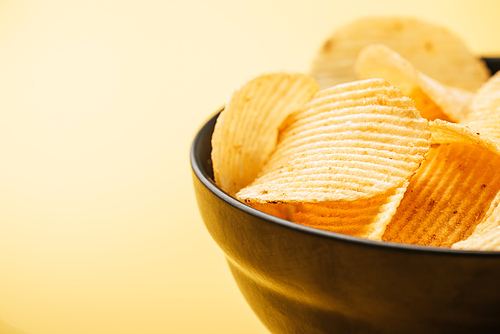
(99, 101)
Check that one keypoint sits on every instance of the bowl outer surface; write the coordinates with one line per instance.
(302, 280)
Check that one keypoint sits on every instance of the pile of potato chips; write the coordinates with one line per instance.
(393, 136)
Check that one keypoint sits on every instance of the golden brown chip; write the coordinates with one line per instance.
(454, 191)
(433, 99)
(246, 131)
(280, 210)
(365, 218)
(485, 109)
(352, 141)
(432, 49)
(426, 106)
(483, 236)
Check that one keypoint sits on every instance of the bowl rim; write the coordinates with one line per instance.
(206, 180)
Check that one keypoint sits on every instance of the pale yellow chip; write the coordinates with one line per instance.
(453, 192)
(351, 141)
(364, 218)
(433, 99)
(246, 131)
(485, 109)
(443, 132)
(431, 48)
(485, 240)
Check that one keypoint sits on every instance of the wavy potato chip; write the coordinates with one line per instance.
(483, 237)
(453, 192)
(432, 49)
(485, 109)
(485, 240)
(246, 131)
(443, 132)
(364, 218)
(349, 142)
(433, 99)
(280, 210)
(448, 197)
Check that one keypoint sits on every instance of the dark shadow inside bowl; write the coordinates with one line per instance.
(492, 63)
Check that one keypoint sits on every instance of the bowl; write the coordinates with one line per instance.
(299, 279)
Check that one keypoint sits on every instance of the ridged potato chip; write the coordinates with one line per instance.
(364, 218)
(351, 141)
(280, 210)
(453, 192)
(485, 240)
(485, 235)
(433, 99)
(485, 109)
(432, 49)
(246, 131)
(443, 132)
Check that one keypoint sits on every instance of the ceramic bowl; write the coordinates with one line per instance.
(304, 280)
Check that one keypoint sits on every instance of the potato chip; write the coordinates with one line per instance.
(445, 132)
(485, 240)
(364, 218)
(483, 236)
(433, 99)
(351, 141)
(426, 106)
(454, 191)
(246, 131)
(280, 210)
(432, 49)
(485, 109)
